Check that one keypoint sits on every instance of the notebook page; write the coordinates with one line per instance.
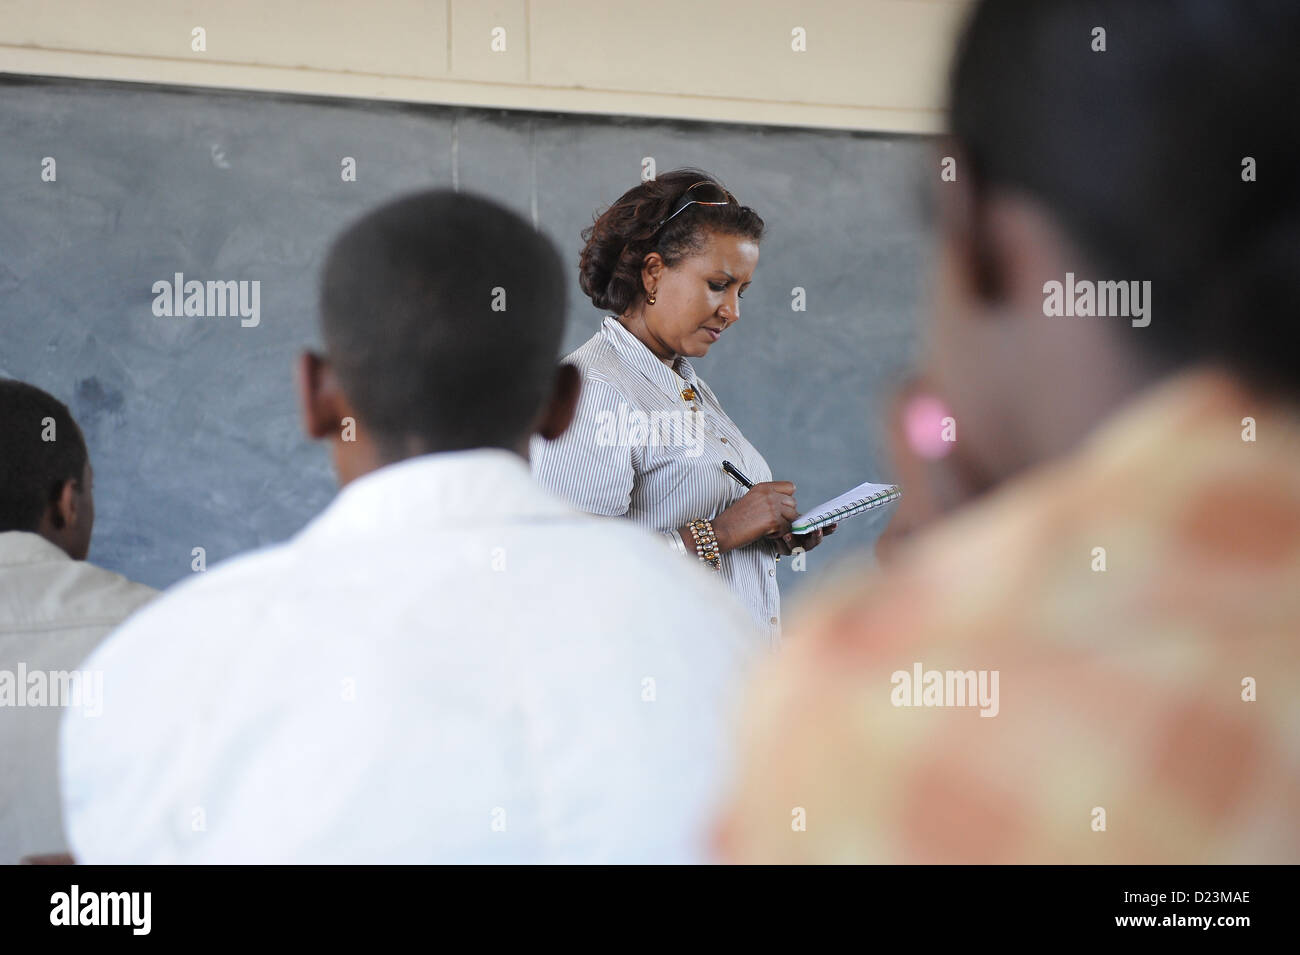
(858, 493)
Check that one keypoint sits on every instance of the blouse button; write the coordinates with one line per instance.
(774, 620)
(724, 440)
(771, 572)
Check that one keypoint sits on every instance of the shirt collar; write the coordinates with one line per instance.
(450, 489)
(24, 547)
(633, 351)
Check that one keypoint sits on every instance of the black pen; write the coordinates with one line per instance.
(731, 469)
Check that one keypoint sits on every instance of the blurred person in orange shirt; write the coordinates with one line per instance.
(1095, 658)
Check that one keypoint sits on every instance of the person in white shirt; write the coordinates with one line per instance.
(54, 608)
(449, 664)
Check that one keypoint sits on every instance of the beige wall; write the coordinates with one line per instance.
(869, 64)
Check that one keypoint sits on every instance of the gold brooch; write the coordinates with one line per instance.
(688, 394)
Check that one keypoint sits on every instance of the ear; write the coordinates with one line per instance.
(319, 398)
(560, 408)
(652, 269)
(66, 506)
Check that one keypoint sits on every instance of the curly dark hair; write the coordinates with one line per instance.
(619, 239)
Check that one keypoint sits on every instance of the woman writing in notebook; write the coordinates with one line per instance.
(670, 260)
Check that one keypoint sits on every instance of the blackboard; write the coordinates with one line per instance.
(192, 425)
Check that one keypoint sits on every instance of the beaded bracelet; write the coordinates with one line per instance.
(706, 543)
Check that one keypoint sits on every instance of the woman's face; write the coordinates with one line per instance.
(698, 299)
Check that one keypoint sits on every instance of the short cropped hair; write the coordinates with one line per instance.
(443, 315)
(41, 449)
(1146, 154)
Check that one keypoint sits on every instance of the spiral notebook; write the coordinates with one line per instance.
(864, 497)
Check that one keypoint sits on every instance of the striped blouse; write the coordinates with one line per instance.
(640, 449)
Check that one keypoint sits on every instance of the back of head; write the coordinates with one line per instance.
(443, 315)
(1162, 136)
(41, 449)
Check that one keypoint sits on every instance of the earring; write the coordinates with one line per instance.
(651, 299)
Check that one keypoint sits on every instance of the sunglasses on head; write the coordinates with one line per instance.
(703, 193)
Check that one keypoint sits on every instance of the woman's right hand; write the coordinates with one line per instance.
(766, 510)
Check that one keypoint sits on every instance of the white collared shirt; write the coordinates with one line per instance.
(449, 664)
(638, 449)
(53, 611)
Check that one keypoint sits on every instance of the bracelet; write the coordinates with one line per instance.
(706, 543)
(676, 543)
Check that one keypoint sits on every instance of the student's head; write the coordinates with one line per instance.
(1120, 141)
(442, 316)
(45, 474)
(694, 265)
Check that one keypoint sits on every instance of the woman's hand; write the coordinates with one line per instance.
(786, 543)
(766, 510)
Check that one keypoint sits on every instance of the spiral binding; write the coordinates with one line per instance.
(854, 507)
